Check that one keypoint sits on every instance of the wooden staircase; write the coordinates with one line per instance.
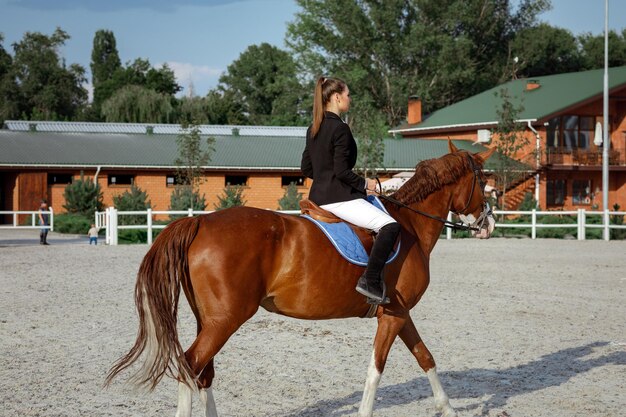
(518, 190)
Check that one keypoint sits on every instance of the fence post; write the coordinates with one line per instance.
(113, 224)
(14, 219)
(190, 212)
(51, 219)
(533, 230)
(448, 230)
(149, 226)
(107, 225)
(607, 235)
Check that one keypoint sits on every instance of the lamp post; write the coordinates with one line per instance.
(607, 139)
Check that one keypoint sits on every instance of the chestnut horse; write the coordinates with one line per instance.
(231, 262)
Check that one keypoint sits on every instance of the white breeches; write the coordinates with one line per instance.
(361, 213)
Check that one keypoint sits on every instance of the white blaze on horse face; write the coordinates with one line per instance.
(369, 393)
(184, 401)
(207, 400)
(442, 403)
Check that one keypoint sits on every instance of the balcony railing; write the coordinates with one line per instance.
(564, 156)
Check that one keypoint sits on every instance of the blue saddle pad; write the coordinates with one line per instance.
(346, 241)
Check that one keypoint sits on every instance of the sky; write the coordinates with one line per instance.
(198, 39)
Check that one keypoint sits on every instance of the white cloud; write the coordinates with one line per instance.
(198, 75)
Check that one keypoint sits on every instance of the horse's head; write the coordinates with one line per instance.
(470, 204)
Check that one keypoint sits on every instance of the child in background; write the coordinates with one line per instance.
(93, 234)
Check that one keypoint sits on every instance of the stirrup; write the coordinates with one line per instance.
(372, 298)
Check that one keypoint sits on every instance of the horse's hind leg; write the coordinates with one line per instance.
(412, 340)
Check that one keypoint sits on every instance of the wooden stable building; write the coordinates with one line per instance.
(560, 116)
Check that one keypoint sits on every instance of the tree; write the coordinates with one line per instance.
(593, 49)
(83, 197)
(48, 88)
(544, 50)
(441, 50)
(184, 198)
(105, 63)
(134, 199)
(192, 157)
(9, 91)
(136, 104)
(291, 199)
(509, 140)
(231, 197)
(368, 125)
(264, 82)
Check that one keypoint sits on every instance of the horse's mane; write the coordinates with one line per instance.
(433, 174)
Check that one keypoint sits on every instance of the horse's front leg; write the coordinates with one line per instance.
(412, 340)
(388, 328)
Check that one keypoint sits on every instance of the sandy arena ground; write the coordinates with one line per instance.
(519, 328)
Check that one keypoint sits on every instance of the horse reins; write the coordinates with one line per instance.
(454, 226)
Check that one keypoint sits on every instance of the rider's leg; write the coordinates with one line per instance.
(364, 214)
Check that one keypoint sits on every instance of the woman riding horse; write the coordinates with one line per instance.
(328, 158)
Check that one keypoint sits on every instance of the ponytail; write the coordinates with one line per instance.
(324, 89)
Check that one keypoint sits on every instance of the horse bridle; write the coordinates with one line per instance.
(477, 225)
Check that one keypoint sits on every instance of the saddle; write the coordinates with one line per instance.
(309, 208)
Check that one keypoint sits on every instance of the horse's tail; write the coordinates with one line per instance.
(157, 292)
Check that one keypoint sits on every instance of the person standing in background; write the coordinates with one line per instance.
(93, 235)
(44, 220)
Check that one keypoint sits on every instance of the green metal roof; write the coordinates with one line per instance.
(42, 149)
(556, 93)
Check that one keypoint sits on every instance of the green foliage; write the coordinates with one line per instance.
(232, 197)
(183, 198)
(263, 81)
(440, 51)
(132, 200)
(510, 140)
(83, 197)
(592, 48)
(544, 50)
(368, 126)
(618, 220)
(72, 223)
(105, 63)
(192, 155)
(291, 199)
(48, 89)
(137, 104)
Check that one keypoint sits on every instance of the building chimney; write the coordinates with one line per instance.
(414, 115)
(532, 85)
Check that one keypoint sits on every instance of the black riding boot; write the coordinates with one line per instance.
(41, 238)
(372, 283)
(45, 238)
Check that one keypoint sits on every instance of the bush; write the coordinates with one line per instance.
(83, 197)
(291, 199)
(183, 197)
(232, 197)
(72, 223)
(133, 200)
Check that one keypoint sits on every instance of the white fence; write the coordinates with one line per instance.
(109, 220)
(34, 219)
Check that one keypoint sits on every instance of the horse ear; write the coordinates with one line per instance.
(486, 154)
(451, 146)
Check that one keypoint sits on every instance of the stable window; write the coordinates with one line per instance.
(54, 179)
(172, 180)
(236, 180)
(553, 132)
(555, 192)
(581, 192)
(118, 179)
(570, 132)
(286, 180)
